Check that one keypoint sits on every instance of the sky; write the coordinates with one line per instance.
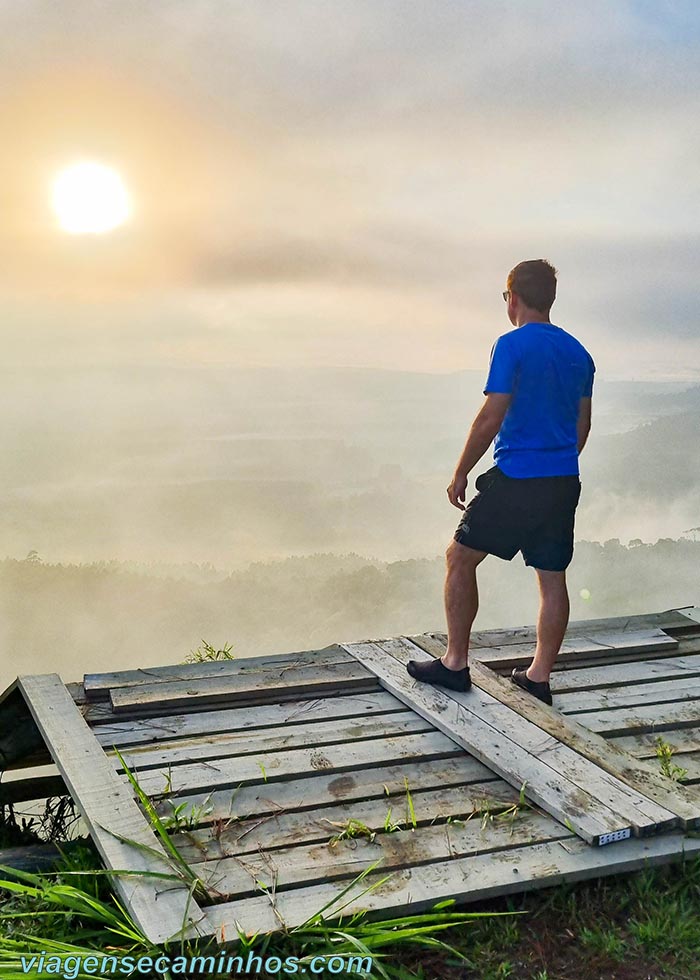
(348, 183)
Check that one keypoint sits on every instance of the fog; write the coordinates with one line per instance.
(144, 511)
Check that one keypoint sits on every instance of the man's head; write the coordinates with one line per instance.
(532, 288)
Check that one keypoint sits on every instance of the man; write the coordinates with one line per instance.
(538, 408)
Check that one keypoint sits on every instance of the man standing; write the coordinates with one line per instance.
(538, 407)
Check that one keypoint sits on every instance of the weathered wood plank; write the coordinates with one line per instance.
(271, 766)
(469, 879)
(299, 681)
(690, 761)
(76, 691)
(285, 715)
(678, 689)
(258, 800)
(99, 685)
(633, 672)
(670, 619)
(291, 827)
(609, 644)
(643, 746)
(536, 728)
(641, 777)
(649, 718)
(307, 864)
(230, 744)
(460, 717)
(160, 906)
(692, 613)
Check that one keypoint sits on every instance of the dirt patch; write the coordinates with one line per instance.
(341, 786)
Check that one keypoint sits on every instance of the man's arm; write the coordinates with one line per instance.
(583, 423)
(483, 431)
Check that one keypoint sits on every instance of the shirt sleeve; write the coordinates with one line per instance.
(503, 367)
(588, 387)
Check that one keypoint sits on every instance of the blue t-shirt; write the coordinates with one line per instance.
(547, 371)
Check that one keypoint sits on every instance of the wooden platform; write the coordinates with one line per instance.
(281, 779)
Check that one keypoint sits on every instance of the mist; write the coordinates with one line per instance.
(147, 511)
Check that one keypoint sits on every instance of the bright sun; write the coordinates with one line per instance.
(88, 197)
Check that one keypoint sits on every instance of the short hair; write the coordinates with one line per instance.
(535, 282)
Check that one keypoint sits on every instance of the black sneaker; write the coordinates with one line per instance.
(539, 688)
(435, 672)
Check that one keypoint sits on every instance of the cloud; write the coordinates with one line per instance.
(409, 152)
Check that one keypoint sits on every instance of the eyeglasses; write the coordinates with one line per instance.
(506, 294)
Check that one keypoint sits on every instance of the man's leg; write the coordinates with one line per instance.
(551, 623)
(461, 601)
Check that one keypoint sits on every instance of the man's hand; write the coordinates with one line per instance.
(457, 489)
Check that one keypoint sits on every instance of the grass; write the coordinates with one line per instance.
(642, 925)
(74, 911)
(207, 652)
(635, 927)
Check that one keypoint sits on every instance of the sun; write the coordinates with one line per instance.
(90, 198)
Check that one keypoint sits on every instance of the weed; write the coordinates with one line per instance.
(606, 941)
(507, 815)
(207, 652)
(351, 830)
(664, 752)
(186, 816)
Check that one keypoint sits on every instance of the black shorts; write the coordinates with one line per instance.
(534, 515)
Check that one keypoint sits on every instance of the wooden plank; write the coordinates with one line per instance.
(307, 864)
(76, 691)
(271, 766)
(99, 685)
(285, 828)
(649, 718)
(611, 645)
(469, 879)
(670, 619)
(284, 715)
(639, 657)
(641, 777)
(495, 706)
(633, 672)
(692, 613)
(258, 800)
(643, 746)
(690, 761)
(499, 746)
(237, 744)
(160, 906)
(296, 681)
(100, 712)
(678, 689)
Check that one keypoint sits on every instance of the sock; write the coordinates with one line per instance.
(435, 672)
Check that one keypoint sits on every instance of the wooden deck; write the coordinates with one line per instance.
(284, 778)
